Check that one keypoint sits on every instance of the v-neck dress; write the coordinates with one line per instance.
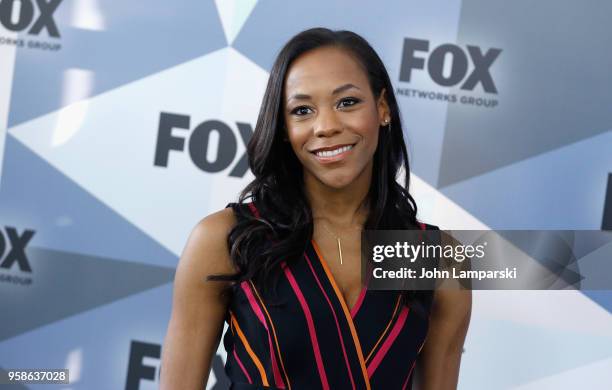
(315, 341)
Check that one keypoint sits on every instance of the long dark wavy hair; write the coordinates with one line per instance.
(285, 226)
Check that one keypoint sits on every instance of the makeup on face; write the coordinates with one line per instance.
(331, 115)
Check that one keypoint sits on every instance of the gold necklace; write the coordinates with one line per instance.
(338, 241)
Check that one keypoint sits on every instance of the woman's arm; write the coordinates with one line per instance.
(198, 310)
(439, 361)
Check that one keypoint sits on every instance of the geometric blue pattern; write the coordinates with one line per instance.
(65, 216)
(141, 38)
(540, 160)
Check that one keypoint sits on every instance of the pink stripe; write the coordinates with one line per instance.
(357, 306)
(310, 322)
(348, 366)
(408, 377)
(242, 366)
(413, 363)
(247, 290)
(423, 227)
(254, 209)
(397, 327)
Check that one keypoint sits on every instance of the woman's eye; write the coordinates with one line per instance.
(351, 101)
(298, 110)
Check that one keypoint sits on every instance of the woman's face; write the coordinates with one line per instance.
(332, 117)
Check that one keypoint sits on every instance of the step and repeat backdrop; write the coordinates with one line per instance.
(123, 123)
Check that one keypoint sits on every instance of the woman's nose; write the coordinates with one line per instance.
(327, 124)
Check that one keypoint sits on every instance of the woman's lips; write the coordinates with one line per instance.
(334, 158)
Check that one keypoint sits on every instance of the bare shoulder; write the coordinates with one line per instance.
(209, 239)
(219, 222)
(198, 305)
(206, 253)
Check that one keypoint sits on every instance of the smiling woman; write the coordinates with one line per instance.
(326, 152)
(333, 129)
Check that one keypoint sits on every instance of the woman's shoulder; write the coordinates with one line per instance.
(216, 226)
(218, 222)
(208, 238)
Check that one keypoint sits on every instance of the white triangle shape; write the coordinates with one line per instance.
(108, 143)
(234, 13)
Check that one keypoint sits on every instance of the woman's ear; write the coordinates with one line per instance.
(384, 113)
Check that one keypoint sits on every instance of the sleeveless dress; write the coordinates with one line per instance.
(316, 341)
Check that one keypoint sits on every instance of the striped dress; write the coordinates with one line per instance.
(316, 341)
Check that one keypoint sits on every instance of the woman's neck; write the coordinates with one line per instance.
(344, 208)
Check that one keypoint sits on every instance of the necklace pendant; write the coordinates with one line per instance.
(339, 249)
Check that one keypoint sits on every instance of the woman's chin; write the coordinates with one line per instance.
(338, 182)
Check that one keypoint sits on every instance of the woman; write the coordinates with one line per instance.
(327, 147)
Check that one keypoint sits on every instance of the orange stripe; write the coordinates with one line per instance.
(347, 314)
(254, 357)
(386, 328)
(273, 333)
(231, 325)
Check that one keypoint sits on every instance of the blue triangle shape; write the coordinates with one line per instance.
(62, 284)
(141, 37)
(65, 216)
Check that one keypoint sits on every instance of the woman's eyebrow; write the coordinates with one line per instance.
(342, 88)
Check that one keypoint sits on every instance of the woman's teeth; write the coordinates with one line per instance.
(335, 152)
